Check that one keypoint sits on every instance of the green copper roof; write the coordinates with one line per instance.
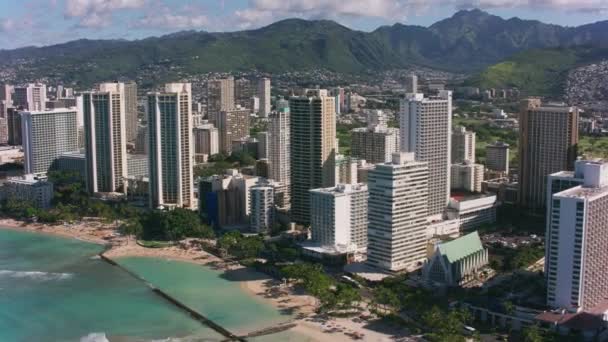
(462, 247)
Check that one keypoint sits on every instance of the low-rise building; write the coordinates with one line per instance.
(74, 161)
(505, 190)
(137, 165)
(29, 188)
(497, 157)
(443, 228)
(224, 200)
(262, 208)
(456, 262)
(473, 211)
(338, 219)
(466, 176)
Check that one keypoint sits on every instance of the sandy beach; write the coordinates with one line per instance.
(308, 325)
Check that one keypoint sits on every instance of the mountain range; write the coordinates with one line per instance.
(468, 42)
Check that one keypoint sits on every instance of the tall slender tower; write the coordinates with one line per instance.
(220, 97)
(426, 129)
(548, 137)
(280, 149)
(313, 149)
(131, 110)
(397, 212)
(264, 94)
(105, 139)
(463, 145)
(171, 149)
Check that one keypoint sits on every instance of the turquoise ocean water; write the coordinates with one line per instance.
(57, 289)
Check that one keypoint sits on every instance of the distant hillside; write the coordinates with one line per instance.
(466, 42)
(538, 72)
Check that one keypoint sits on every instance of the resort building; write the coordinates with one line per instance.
(313, 149)
(456, 262)
(31, 97)
(497, 157)
(30, 189)
(279, 148)
(206, 141)
(375, 143)
(426, 130)
(466, 176)
(225, 200)
(131, 113)
(105, 137)
(548, 138)
(264, 95)
(463, 145)
(578, 247)
(220, 97)
(137, 165)
(473, 211)
(171, 152)
(232, 125)
(346, 169)
(47, 135)
(397, 214)
(261, 202)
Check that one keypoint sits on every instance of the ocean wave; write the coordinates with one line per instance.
(95, 337)
(35, 275)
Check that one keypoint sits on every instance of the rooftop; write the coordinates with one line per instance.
(51, 111)
(462, 247)
(583, 192)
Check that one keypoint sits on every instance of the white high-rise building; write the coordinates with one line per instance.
(577, 248)
(105, 137)
(463, 145)
(397, 212)
(45, 136)
(264, 95)
(206, 141)
(338, 216)
(261, 202)
(171, 151)
(426, 129)
(279, 149)
(30, 97)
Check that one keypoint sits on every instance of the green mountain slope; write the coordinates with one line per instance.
(467, 42)
(538, 72)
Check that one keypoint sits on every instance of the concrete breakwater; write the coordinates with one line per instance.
(174, 301)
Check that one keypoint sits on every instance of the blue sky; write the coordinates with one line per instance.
(44, 22)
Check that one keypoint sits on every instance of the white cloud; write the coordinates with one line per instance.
(97, 13)
(169, 20)
(6, 24)
(260, 12)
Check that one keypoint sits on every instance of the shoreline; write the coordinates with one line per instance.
(258, 285)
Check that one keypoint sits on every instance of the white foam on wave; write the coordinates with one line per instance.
(95, 337)
(35, 275)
